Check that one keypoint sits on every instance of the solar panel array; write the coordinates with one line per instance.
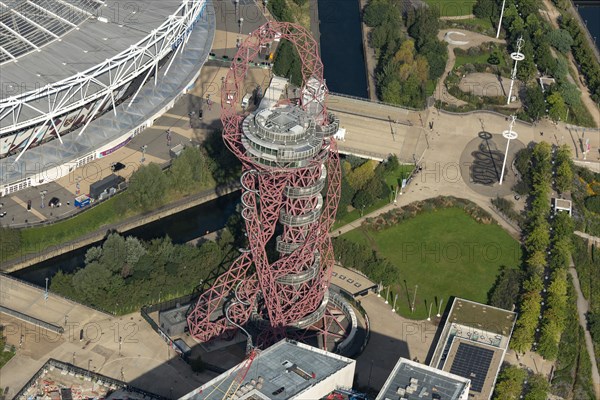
(472, 362)
(28, 25)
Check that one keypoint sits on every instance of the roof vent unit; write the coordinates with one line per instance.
(103, 19)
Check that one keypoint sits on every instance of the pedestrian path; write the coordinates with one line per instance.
(23, 204)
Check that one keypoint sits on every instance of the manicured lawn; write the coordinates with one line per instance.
(452, 8)
(446, 253)
(467, 59)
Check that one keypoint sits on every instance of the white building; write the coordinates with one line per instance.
(411, 380)
(286, 370)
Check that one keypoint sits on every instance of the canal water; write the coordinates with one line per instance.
(342, 47)
(181, 228)
(591, 14)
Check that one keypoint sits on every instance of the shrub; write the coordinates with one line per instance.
(592, 203)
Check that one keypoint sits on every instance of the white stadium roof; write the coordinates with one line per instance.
(69, 36)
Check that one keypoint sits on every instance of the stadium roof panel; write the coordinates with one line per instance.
(77, 49)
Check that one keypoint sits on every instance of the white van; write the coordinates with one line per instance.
(246, 100)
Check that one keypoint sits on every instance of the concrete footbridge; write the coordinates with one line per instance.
(375, 130)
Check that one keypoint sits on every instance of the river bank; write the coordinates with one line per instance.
(40, 255)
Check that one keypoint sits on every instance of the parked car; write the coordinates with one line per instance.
(117, 166)
(2, 214)
(54, 202)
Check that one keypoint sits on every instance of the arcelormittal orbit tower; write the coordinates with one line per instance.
(290, 192)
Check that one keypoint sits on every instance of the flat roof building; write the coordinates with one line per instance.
(411, 380)
(473, 343)
(286, 370)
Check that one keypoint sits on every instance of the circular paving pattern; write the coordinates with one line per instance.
(481, 164)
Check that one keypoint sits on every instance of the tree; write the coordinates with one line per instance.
(485, 9)
(510, 383)
(376, 12)
(564, 177)
(558, 108)
(538, 388)
(359, 177)
(561, 40)
(534, 101)
(189, 169)
(362, 199)
(570, 93)
(148, 186)
(506, 288)
(96, 285)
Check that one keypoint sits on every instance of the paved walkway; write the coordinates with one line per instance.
(143, 356)
(392, 337)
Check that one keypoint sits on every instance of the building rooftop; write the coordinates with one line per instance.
(487, 318)
(283, 371)
(473, 342)
(410, 380)
(69, 37)
(350, 281)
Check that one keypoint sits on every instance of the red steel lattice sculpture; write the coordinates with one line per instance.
(289, 158)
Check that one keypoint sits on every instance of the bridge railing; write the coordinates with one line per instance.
(382, 103)
(6, 276)
(496, 113)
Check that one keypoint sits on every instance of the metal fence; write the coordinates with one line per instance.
(496, 113)
(6, 276)
(32, 320)
(382, 103)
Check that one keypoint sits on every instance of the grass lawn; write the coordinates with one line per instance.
(446, 253)
(474, 23)
(467, 59)
(34, 240)
(452, 8)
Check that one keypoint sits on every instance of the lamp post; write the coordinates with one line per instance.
(46, 292)
(120, 344)
(500, 21)
(516, 56)
(387, 294)
(412, 308)
(43, 195)
(241, 21)
(73, 358)
(508, 135)
(370, 372)
(144, 148)
(394, 307)
(439, 314)
(429, 315)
